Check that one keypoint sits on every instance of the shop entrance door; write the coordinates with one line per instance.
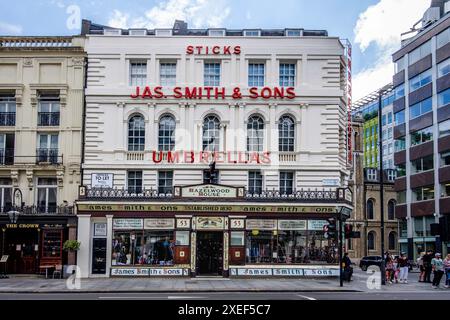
(210, 253)
(20, 245)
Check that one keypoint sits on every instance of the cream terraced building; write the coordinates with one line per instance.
(41, 108)
(212, 152)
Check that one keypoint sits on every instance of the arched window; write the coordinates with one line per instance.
(392, 241)
(391, 209)
(286, 134)
(166, 133)
(211, 132)
(369, 209)
(371, 240)
(255, 134)
(136, 133)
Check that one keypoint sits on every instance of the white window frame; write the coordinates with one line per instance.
(211, 75)
(216, 32)
(112, 32)
(163, 32)
(46, 187)
(251, 33)
(167, 78)
(293, 32)
(138, 78)
(442, 65)
(257, 75)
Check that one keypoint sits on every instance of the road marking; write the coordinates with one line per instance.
(185, 297)
(128, 297)
(307, 298)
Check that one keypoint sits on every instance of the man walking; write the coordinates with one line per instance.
(427, 266)
(438, 270)
(403, 266)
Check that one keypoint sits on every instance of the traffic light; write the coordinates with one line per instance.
(348, 231)
(331, 232)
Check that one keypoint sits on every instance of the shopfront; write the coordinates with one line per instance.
(233, 238)
(33, 242)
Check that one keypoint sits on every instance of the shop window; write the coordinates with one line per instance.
(371, 240)
(237, 238)
(391, 209)
(182, 238)
(165, 182)
(211, 132)
(256, 74)
(121, 248)
(134, 181)
(46, 195)
(287, 74)
(168, 74)
(138, 73)
(136, 133)
(286, 182)
(157, 248)
(52, 244)
(166, 133)
(212, 74)
(255, 134)
(370, 209)
(286, 133)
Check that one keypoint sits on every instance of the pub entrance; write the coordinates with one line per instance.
(22, 247)
(209, 253)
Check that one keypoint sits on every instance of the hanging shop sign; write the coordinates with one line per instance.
(131, 207)
(159, 223)
(212, 93)
(102, 180)
(316, 225)
(209, 191)
(128, 224)
(100, 230)
(175, 272)
(208, 223)
(261, 224)
(291, 224)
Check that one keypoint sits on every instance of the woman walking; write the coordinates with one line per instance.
(421, 267)
(389, 268)
(447, 270)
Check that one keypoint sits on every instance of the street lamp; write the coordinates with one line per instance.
(13, 216)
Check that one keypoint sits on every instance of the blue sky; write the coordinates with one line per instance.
(373, 26)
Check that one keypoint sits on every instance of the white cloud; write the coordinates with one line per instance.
(10, 29)
(381, 25)
(199, 13)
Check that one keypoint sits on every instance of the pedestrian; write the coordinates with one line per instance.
(421, 267)
(403, 266)
(389, 268)
(427, 265)
(438, 270)
(396, 269)
(447, 270)
(347, 266)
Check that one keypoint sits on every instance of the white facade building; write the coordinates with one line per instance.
(267, 107)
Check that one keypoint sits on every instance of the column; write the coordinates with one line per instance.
(193, 252)
(109, 237)
(225, 253)
(84, 236)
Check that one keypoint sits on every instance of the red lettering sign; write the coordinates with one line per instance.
(214, 50)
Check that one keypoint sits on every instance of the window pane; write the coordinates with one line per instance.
(286, 132)
(255, 134)
(166, 133)
(210, 136)
(136, 133)
(444, 98)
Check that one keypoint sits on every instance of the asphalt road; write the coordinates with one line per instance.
(420, 295)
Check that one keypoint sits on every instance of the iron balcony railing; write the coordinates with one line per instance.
(39, 209)
(47, 119)
(302, 195)
(7, 119)
(50, 156)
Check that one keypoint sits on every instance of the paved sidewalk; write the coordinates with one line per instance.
(359, 284)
